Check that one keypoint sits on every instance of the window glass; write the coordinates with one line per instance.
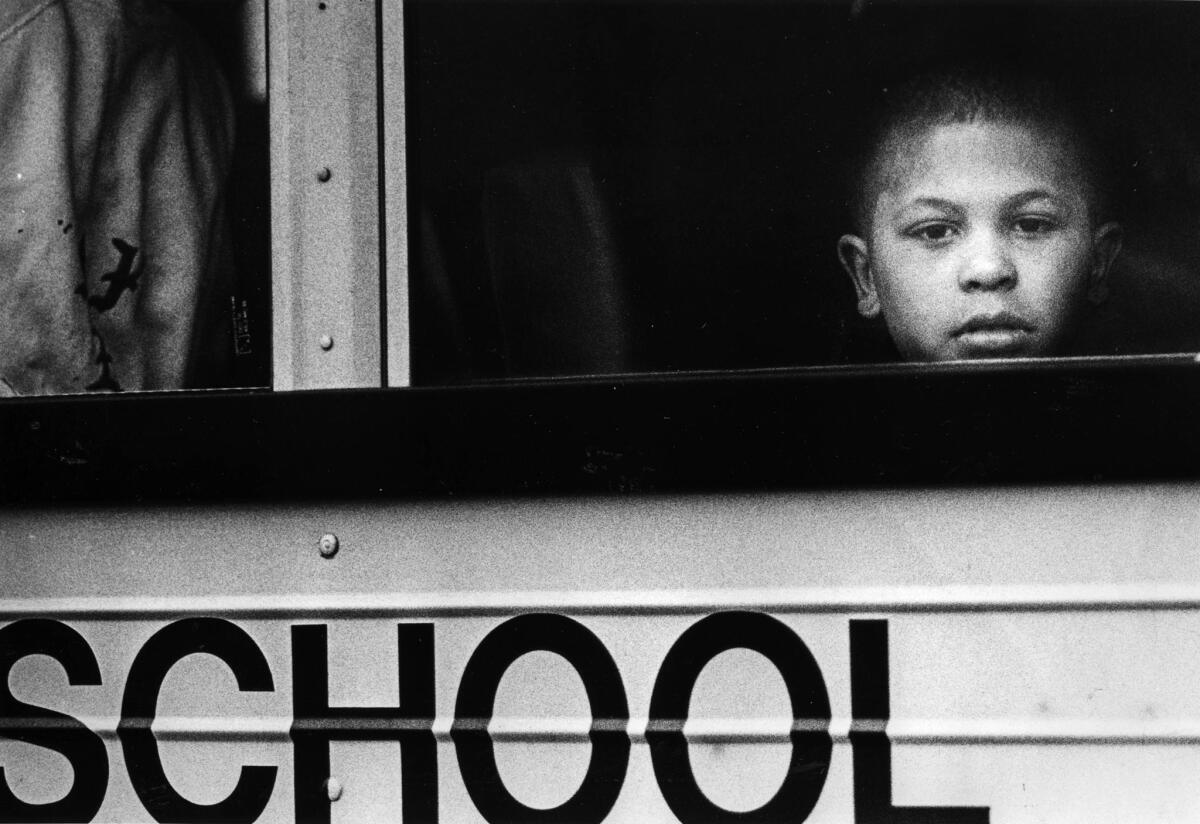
(235, 31)
(601, 187)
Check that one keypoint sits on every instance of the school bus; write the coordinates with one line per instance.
(462, 542)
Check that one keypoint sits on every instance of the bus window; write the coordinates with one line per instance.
(641, 187)
(133, 215)
(471, 191)
(237, 38)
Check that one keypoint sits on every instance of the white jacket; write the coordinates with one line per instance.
(115, 137)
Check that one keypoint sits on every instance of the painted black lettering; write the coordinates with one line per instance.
(316, 724)
(870, 707)
(53, 730)
(812, 745)
(154, 660)
(609, 730)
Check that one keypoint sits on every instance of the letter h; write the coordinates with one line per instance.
(315, 724)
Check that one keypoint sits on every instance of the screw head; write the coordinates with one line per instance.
(326, 342)
(324, 174)
(333, 788)
(328, 545)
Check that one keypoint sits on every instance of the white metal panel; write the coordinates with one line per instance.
(1041, 659)
(325, 194)
(1145, 535)
(395, 160)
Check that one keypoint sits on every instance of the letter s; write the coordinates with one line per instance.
(53, 730)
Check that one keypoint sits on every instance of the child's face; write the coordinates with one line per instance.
(980, 242)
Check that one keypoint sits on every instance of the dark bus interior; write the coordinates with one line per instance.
(609, 187)
(228, 28)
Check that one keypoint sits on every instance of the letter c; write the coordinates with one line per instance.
(165, 648)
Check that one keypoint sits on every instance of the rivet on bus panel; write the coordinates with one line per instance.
(324, 174)
(326, 342)
(328, 545)
(333, 788)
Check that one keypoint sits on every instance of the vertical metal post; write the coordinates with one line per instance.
(395, 200)
(325, 193)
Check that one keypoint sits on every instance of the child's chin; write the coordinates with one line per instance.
(991, 344)
(973, 353)
(995, 343)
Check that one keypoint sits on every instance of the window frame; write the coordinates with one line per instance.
(338, 214)
(1033, 423)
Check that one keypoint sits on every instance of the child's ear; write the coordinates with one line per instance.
(1106, 245)
(852, 252)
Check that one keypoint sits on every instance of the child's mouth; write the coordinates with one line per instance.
(994, 334)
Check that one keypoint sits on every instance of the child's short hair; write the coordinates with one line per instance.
(967, 93)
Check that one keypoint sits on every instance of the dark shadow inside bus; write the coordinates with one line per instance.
(609, 187)
(235, 31)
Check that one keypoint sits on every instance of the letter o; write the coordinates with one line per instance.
(812, 745)
(606, 696)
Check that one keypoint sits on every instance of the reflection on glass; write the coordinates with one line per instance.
(602, 187)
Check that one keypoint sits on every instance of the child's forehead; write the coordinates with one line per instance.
(957, 152)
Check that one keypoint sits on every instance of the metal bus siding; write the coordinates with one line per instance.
(647, 602)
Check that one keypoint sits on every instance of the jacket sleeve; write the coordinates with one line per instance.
(158, 185)
(114, 254)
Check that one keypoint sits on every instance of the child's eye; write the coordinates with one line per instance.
(932, 232)
(1034, 225)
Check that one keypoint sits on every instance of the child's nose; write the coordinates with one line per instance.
(987, 266)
